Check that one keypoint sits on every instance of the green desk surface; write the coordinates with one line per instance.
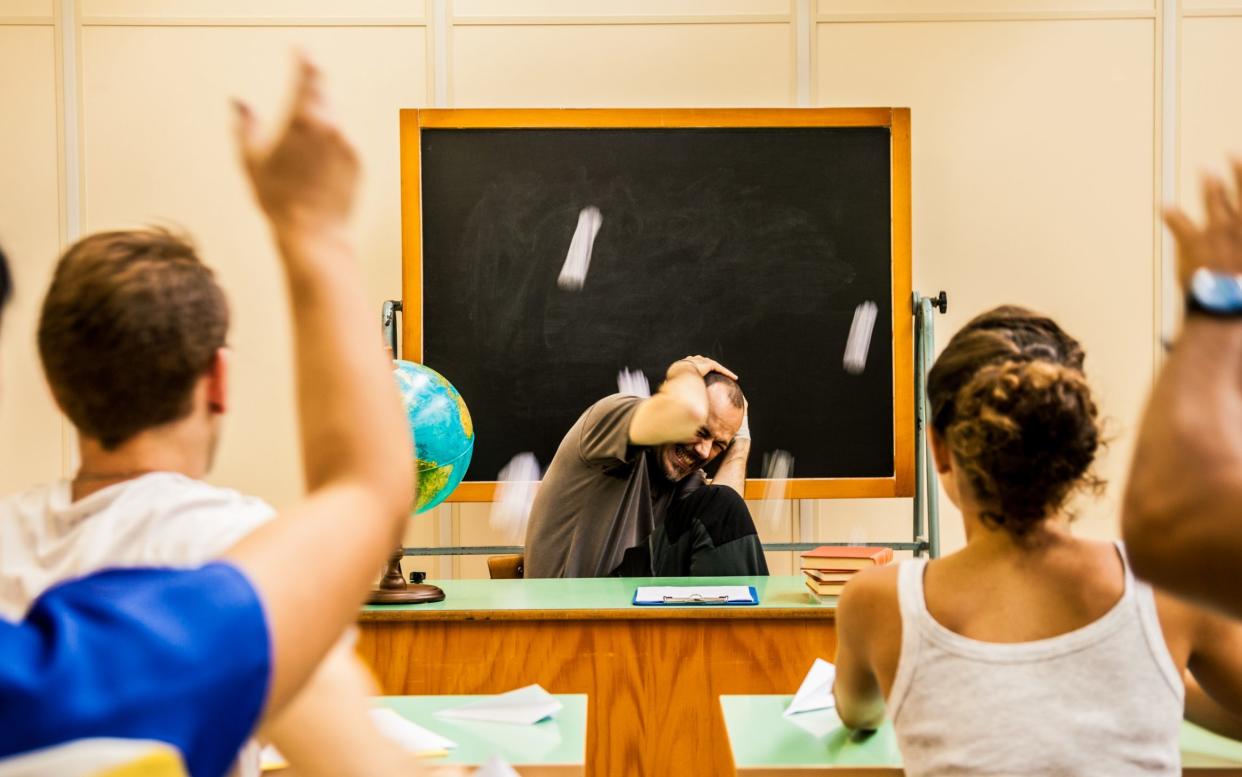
(760, 736)
(558, 740)
(780, 596)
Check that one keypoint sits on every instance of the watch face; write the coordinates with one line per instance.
(1217, 292)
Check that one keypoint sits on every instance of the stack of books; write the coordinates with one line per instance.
(828, 568)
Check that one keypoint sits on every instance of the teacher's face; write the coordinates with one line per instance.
(680, 460)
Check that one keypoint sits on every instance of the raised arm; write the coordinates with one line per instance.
(355, 446)
(732, 470)
(1182, 514)
(677, 411)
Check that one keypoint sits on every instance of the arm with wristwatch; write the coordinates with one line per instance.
(1182, 514)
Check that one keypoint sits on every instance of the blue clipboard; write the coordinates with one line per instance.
(696, 600)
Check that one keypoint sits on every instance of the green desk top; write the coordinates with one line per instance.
(760, 736)
(781, 596)
(558, 740)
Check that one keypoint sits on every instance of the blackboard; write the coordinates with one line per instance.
(736, 235)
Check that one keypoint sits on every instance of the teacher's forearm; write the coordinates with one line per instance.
(732, 471)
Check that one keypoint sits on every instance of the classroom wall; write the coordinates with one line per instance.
(1039, 132)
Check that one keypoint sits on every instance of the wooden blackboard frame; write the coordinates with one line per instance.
(897, 120)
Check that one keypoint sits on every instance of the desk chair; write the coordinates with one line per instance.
(508, 567)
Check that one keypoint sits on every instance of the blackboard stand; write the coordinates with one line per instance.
(925, 534)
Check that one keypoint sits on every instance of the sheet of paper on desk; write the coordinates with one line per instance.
(657, 594)
(815, 693)
(817, 723)
(524, 706)
(407, 733)
(496, 767)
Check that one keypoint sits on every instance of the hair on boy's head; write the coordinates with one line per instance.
(6, 281)
(131, 321)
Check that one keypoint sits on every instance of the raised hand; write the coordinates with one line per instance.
(1217, 245)
(307, 174)
(702, 365)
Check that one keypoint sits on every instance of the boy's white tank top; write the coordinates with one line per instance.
(1104, 699)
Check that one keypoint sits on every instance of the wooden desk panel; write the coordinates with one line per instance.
(652, 680)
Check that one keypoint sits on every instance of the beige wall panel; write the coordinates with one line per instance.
(473, 528)
(1210, 6)
(775, 523)
(983, 7)
(1210, 123)
(619, 8)
(30, 234)
(1033, 184)
(33, 9)
(158, 147)
(216, 9)
(622, 65)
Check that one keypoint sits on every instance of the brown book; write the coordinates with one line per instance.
(845, 558)
(824, 589)
(827, 575)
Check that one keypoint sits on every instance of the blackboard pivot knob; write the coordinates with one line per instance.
(942, 302)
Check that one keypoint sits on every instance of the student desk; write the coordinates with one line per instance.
(549, 748)
(652, 674)
(764, 743)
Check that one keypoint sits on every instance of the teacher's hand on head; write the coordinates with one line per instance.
(1217, 245)
(306, 174)
(702, 365)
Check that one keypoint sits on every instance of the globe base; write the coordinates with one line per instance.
(421, 593)
(394, 590)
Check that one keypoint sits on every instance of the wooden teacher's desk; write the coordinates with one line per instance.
(653, 675)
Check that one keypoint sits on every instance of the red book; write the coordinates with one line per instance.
(828, 575)
(845, 558)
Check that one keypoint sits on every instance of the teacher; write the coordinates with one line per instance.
(626, 495)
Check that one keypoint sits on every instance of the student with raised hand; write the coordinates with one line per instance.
(1182, 516)
(192, 661)
(1031, 650)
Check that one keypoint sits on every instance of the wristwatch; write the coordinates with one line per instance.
(1215, 294)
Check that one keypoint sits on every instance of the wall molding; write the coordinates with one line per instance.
(804, 53)
(618, 19)
(251, 21)
(995, 16)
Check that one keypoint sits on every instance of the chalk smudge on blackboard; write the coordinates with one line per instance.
(858, 344)
(578, 258)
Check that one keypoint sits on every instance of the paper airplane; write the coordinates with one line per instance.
(815, 693)
(407, 733)
(496, 767)
(524, 706)
(817, 723)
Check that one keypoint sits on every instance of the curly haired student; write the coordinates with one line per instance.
(1030, 650)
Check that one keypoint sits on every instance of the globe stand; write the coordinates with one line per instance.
(394, 590)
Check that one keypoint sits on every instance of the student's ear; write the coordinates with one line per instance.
(941, 456)
(218, 381)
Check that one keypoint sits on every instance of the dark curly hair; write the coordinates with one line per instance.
(1010, 400)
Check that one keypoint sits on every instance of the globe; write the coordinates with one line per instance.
(442, 429)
